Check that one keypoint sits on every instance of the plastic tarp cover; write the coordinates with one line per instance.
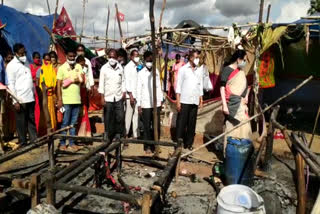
(27, 29)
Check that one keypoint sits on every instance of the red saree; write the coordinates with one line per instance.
(34, 70)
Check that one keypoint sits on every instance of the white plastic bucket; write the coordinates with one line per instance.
(239, 199)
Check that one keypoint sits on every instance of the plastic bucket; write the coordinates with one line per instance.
(239, 163)
(239, 199)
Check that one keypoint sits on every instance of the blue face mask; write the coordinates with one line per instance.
(242, 65)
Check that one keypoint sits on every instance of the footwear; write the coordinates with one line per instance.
(190, 148)
(63, 147)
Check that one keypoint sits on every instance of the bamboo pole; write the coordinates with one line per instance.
(83, 11)
(55, 14)
(253, 117)
(119, 23)
(48, 7)
(314, 127)
(162, 11)
(154, 70)
(107, 28)
(261, 11)
(268, 14)
(2, 2)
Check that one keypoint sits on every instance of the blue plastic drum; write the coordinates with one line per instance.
(239, 162)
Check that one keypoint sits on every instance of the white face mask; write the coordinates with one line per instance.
(80, 53)
(71, 62)
(242, 65)
(23, 59)
(112, 61)
(136, 59)
(85, 70)
(196, 61)
(149, 65)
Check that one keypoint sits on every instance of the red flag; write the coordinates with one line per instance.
(121, 16)
(63, 25)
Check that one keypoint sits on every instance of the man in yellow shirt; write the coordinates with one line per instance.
(68, 87)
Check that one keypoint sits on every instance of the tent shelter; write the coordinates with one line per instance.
(25, 28)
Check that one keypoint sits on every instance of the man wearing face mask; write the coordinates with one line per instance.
(131, 76)
(113, 93)
(189, 97)
(21, 84)
(89, 74)
(145, 99)
(69, 78)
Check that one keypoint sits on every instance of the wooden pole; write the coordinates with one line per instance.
(34, 190)
(2, 2)
(301, 184)
(119, 23)
(261, 11)
(55, 14)
(83, 11)
(162, 11)
(146, 203)
(154, 70)
(107, 28)
(48, 7)
(253, 117)
(268, 14)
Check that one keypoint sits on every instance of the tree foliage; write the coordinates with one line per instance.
(314, 7)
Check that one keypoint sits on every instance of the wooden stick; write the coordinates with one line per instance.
(119, 23)
(269, 139)
(307, 159)
(301, 184)
(154, 70)
(34, 190)
(305, 149)
(268, 14)
(83, 11)
(107, 29)
(253, 117)
(91, 37)
(55, 14)
(264, 141)
(162, 11)
(314, 127)
(48, 7)
(146, 203)
(261, 11)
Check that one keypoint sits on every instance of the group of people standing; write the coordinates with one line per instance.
(126, 93)
(65, 89)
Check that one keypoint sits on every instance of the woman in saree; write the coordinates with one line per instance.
(48, 76)
(234, 94)
(84, 128)
(54, 61)
(35, 67)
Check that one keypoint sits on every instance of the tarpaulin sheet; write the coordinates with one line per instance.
(27, 29)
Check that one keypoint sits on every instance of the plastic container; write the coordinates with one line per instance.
(239, 199)
(239, 162)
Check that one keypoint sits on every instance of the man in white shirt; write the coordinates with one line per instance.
(89, 74)
(189, 97)
(131, 76)
(21, 84)
(145, 99)
(113, 93)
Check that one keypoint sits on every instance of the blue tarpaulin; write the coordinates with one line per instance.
(27, 29)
